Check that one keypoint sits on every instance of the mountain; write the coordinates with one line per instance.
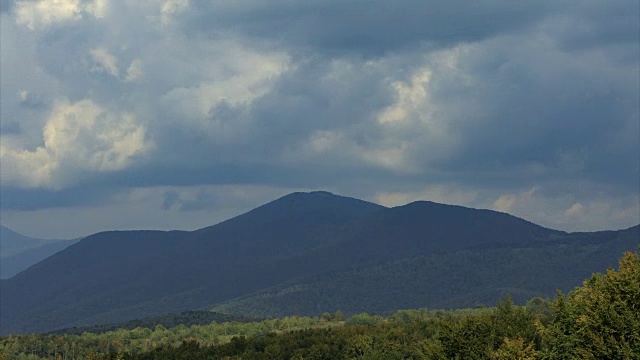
(314, 251)
(12, 243)
(117, 276)
(18, 252)
(443, 280)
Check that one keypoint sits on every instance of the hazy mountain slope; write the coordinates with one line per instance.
(9, 266)
(18, 252)
(12, 243)
(457, 279)
(117, 276)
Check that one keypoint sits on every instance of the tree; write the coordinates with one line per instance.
(601, 319)
(467, 338)
(514, 349)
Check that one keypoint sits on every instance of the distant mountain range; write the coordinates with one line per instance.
(307, 253)
(18, 252)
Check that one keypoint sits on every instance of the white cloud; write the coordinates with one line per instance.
(134, 71)
(592, 212)
(551, 210)
(427, 126)
(98, 8)
(78, 138)
(239, 78)
(391, 157)
(36, 14)
(510, 202)
(410, 98)
(105, 62)
(504, 203)
(393, 198)
(39, 13)
(576, 209)
(170, 7)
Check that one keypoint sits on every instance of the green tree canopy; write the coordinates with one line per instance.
(601, 319)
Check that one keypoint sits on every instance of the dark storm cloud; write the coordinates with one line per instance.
(366, 27)
(202, 200)
(562, 115)
(595, 23)
(508, 101)
(34, 199)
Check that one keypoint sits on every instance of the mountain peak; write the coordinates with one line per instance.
(298, 204)
(357, 245)
(319, 198)
(319, 192)
(310, 195)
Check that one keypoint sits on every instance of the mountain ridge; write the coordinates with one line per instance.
(118, 276)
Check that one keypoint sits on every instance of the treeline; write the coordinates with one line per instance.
(600, 320)
(139, 340)
(405, 335)
(186, 318)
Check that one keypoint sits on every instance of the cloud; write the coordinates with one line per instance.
(142, 208)
(439, 100)
(30, 100)
(105, 62)
(446, 194)
(134, 71)
(504, 203)
(78, 137)
(37, 14)
(249, 78)
(509, 202)
(557, 211)
(576, 209)
(171, 7)
(369, 28)
(97, 8)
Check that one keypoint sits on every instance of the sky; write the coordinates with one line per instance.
(178, 114)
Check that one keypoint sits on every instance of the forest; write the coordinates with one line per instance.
(598, 320)
(303, 255)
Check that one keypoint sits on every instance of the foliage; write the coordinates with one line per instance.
(457, 279)
(186, 318)
(600, 320)
(514, 349)
(123, 341)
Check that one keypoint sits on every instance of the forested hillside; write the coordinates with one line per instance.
(307, 253)
(596, 321)
(435, 280)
